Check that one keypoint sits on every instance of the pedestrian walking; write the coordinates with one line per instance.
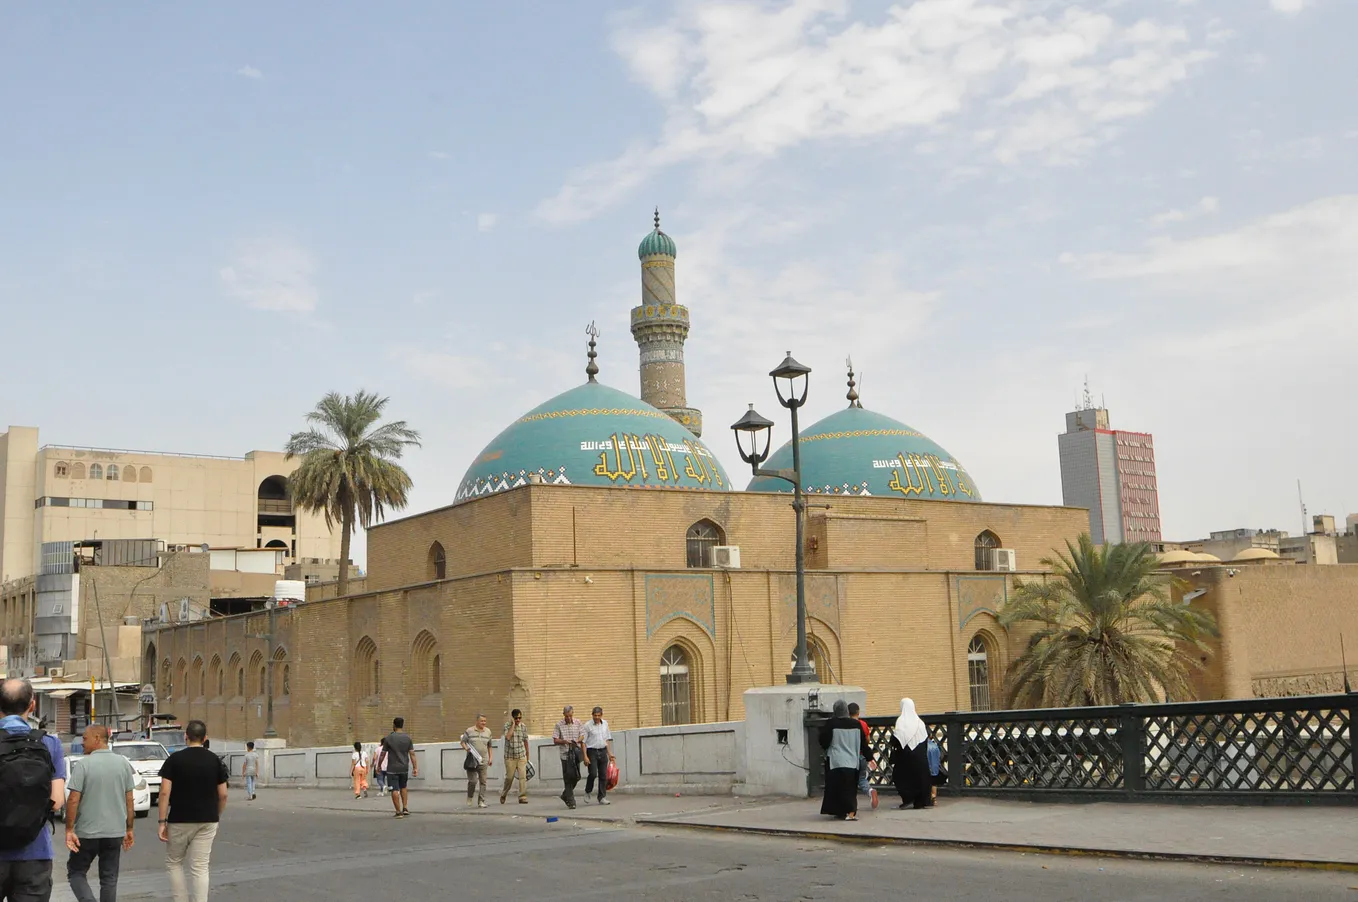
(863, 786)
(358, 769)
(844, 743)
(192, 797)
(249, 769)
(379, 764)
(99, 816)
(32, 786)
(480, 756)
(516, 756)
(598, 754)
(569, 736)
(401, 763)
(910, 758)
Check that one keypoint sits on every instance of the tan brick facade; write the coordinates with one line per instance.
(561, 595)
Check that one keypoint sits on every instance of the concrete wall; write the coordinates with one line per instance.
(697, 759)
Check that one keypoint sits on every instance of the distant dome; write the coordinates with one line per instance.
(656, 243)
(1255, 554)
(1206, 558)
(594, 435)
(1178, 556)
(859, 452)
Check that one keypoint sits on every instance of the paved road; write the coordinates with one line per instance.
(275, 850)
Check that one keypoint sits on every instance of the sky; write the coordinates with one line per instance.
(212, 216)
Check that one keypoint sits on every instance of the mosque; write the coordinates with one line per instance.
(552, 580)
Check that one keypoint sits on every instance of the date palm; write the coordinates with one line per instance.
(1104, 631)
(348, 471)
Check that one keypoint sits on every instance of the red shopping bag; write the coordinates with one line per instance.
(612, 774)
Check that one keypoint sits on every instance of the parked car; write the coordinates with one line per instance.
(141, 792)
(147, 758)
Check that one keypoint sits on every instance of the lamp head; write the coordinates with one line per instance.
(754, 433)
(795, 375)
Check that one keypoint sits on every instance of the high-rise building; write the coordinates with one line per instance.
(1112, 473)
(660, 326)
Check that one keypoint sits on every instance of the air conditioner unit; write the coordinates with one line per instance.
(1003, 559)
(726, 556)
(56, 672)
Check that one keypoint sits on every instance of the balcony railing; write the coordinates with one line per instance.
(1275, 749)
(274, 506)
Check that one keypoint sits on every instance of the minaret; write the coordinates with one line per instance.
(660, 327)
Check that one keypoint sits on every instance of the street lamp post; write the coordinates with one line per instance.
(269, 731)
(791, 381)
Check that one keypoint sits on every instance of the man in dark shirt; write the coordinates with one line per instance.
(401, 763)
(192, 797)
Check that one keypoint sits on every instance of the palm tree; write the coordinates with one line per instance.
(1104, 631)
(348, 470)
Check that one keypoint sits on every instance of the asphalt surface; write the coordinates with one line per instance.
(276, 849)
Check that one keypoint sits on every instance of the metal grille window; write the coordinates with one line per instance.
(676, 690)
(703, 536)
(978, 674)
(986, 542)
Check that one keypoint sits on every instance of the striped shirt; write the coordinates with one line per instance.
(572, 732)
(516, 740)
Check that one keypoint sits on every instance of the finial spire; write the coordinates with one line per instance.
(592, 369)
(853, 392)
(657, 218)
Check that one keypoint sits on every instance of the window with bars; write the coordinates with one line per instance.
(986, 543)
(702, 537)
(676, 687)
(978, 674)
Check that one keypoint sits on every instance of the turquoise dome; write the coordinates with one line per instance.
(656, 243)
(858, 452)
(594, 435)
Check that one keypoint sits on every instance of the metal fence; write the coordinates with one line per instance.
(1277, 749)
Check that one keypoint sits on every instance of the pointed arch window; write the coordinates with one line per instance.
(438, 562)
(367, 669)
(425, 664)
(702, 537)
(676, 687)
(215, 680)
(978, 672)
(986, 543)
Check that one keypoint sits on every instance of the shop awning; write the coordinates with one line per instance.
(62, 693)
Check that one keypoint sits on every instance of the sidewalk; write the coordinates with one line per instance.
(1284, 836)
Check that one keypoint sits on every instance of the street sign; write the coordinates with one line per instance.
(148, 695)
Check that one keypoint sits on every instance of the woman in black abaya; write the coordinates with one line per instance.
(910, 759)
(843, 739)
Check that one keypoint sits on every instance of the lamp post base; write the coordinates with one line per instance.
(798, 677)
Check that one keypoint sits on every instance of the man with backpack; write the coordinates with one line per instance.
(33, 785)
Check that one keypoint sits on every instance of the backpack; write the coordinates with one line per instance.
(26, 772)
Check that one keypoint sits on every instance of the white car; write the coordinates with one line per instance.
(147, 758)
(141, 792)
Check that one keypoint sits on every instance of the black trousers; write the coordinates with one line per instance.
(109, 852)
(598, 767)
(570, 775)
(26, 881)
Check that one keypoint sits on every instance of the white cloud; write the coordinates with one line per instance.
(1289, 7)
(439, 155)
(250, 72)
(1011, 80)
(486, 221)
(1205, 207)
(272, 275)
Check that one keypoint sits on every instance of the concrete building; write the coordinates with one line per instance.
(51, 493)
(1110, 472)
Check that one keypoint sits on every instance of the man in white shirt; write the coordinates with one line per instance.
(598, 754)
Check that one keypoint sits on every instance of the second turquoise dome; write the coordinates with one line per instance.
(594, 435)
(858, 452)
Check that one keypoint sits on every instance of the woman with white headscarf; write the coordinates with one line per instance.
(910, 759)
